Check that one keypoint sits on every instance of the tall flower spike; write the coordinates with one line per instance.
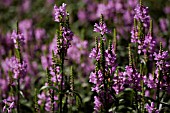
(101, 27)
(18, 68)
(134, 33)
(60, 13)
(18, 39)
(142, 15)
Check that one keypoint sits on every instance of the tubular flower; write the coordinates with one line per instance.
(101, 28)
(60, 13)
(17, 38)
(141, 14)
(19, 69)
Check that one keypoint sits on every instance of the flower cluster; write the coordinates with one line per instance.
(9, 104)
(95, 54)
(18, 68)
(160, 59)
(105, 68)
(17, 38)
(130, 78)
(96, 79)
(110, 57)
(60, 12)
(55, 75)
(44, 99)
(150, 81)
(146, 46)
(141, 14)
(97, 104)
(101, 28)
(67, 37)
(151, 108)
(145, 42)
(134, 35)
(162, 69)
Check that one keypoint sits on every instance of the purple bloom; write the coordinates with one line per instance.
(3, 84)
(141, 14)
(162, 66)
(150, 81)
(67, 35)
(130, 78)
(19, 69)
(160, 59)
(148, 45)
(101, 28)
(93, 78)
(9, 104)
(134, 35)
(96, 79)
(55, 77)
(151, 109)
(60, 12)
(95, 54)
(97, 104)
(110, 57)
(17, 38)
(6, 3)
(64, 41)
(42, 98)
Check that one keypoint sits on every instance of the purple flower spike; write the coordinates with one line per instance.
(19, 69)
(60, 12)
(67, 34)
(97, 103)
(94, 54)
(9, 104)
(101, 28)
(134, 35)
(141, 13)
(151, 108)
(93, 78)
(17, 37)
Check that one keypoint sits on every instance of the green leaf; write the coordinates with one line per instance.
(77, 94)
(49, 87)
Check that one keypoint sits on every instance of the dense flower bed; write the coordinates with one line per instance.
(84, 56)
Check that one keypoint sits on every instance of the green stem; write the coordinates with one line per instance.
(18, 94)
(158, 90)
(104, 75)
(62, 79)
